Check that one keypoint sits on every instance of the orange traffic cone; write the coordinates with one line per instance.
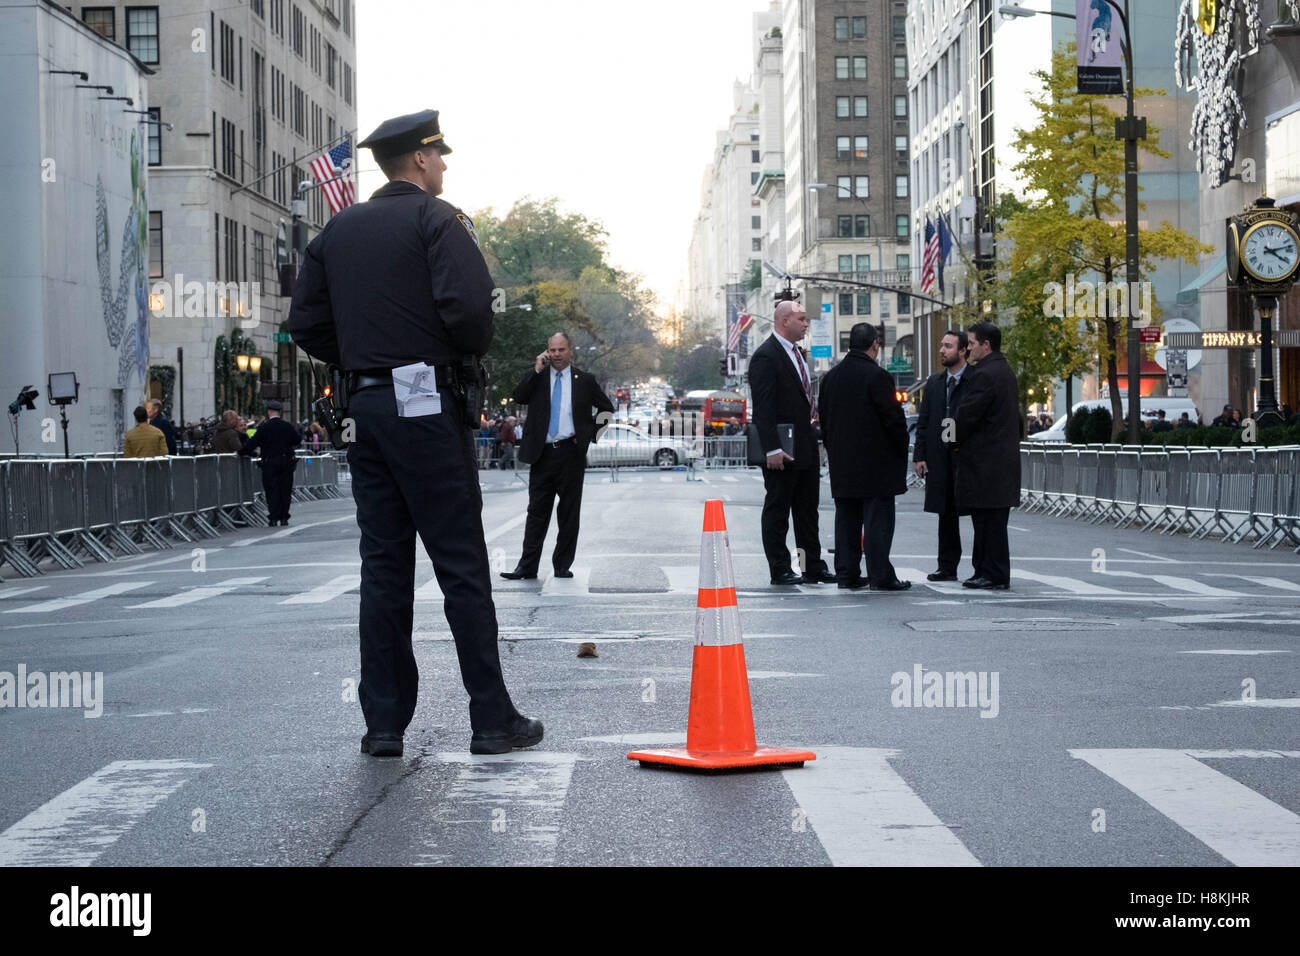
(720, 728)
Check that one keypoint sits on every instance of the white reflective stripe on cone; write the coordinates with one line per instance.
(717, 626)
(715, 561)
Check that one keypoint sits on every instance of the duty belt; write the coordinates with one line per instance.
(374, 378)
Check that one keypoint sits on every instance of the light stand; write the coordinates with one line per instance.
(24, 400)
(64, 390)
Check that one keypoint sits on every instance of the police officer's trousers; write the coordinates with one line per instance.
(419, 476)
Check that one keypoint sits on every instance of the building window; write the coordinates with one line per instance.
(155, 245)
(142, 33)
(841, 107)
(900, 105)
(229, 159)
(864, 303)
(859, 67)
(227, 52)
(277, 18)
(902, 226)
(900, 28)
(841, 68)
(900, 186)
(756, 222)
(900, 145)
(859, 27)
(756, 244)
(347, 83)
(257, 8)
(299, 31)
(331, 66)
(842, 150)
(904, 303)
(846, 303)
(862, 186)
(841, 28)
(864, 263)
(845, 263)
(900, 67)
(102, 20)
(154, 124)
(845, 227)
(843, 187)
(844, 341)
(903, 262)
(232, 250)
(861, 227)
(753, 177)
(859, 147)
(859, 107)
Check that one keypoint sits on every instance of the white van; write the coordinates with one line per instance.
(1173, 408)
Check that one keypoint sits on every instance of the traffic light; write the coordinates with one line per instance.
(722, 367)
(900, 396)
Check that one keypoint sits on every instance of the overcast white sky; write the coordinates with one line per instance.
(610, 105)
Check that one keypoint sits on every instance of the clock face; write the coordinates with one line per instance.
(1269, 251)
(1207, 15)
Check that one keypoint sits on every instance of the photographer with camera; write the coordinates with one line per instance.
(395, 292)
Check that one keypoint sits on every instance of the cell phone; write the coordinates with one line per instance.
(546, 359)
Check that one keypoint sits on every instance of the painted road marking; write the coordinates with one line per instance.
(1191, 585)
(577, 586)
(865, 814)
(81, 823)
(1261, 702)
(59, 604)
(1278, 583)
(285, 532)
(13, 593)
(1233, 651)
(1239, 824)
(429, 590)
(682, 579)
(199, 593)
(525, 791)
(327, 591)
(648, 738)
(1072, 585)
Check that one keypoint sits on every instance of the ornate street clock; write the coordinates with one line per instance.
(1263, 253)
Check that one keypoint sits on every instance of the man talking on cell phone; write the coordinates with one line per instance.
(563, 402)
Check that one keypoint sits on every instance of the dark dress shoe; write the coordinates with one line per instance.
(941, 576)
(894, 585)
(564, 574)
(518, 574)
(855, 585)
(787, 577)
(382, 744)
(820, 576)
(983, 584)
(521, 732)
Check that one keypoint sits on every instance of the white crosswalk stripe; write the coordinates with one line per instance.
(86, 597)
(1177, 583)
(1268, 582)
(429, 591)
(327, 591)
(865, 814)
(199, 593)
(14, 592)
(1072, 585)
(1239, 824)
(577, 586)
(81, 823)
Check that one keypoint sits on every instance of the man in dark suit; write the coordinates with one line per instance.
(933, 451)
(783, 395)
(865, 433)
(563, 402)
(159, 421)
(276, 439)
(987, 455)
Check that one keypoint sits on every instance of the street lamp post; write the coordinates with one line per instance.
(1130, 129)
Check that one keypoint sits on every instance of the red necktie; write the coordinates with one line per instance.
(803, 377)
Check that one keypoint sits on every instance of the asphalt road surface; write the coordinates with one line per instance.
(1135, 703)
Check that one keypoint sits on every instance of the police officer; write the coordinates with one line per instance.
(388, 283)
(277, 439)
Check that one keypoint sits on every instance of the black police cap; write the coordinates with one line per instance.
(405, 134)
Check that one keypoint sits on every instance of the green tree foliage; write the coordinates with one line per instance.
(555, 263)
(1073, 168)
(698, 367)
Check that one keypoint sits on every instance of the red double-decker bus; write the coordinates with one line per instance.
(715, 408)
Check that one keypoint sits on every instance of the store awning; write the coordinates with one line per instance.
(1217, 267)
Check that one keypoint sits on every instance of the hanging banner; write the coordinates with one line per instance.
(1101, 61)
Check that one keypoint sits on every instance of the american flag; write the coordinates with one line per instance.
(929, 257)
(733, 334)
(333, 170)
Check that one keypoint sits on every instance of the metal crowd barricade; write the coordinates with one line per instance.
(1178, 490)
(1128, 486)
(1153, 487)
(24, 509)
(1203, 491)
(101, 509)
(1284, 508)
(1104, 496)
(1089, 469)
(1028, 490)
(207, 493)
(1237, 486)
(726, 451)
(227, 490)
(67, 489)
(186, 520)
(131, 479)
(1069, 481)
(330, 476)
(1053, 479)
(251, 509)
(158, 499)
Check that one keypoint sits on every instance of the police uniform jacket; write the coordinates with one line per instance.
(409, 285)
(987, 456)
(276, 439)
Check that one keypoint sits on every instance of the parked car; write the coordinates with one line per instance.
(1173, 407)
(621, 444)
